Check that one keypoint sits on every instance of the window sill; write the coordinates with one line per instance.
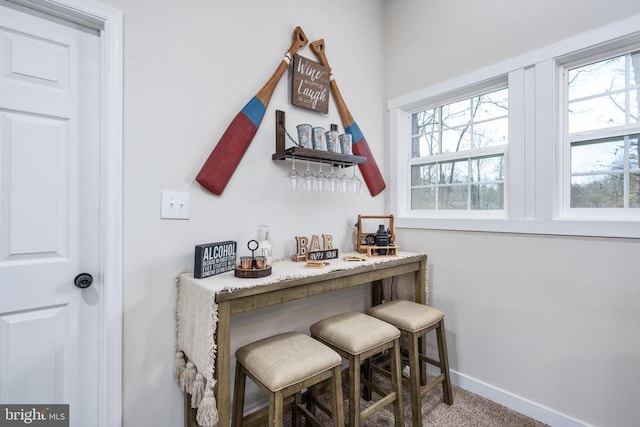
(564, 227)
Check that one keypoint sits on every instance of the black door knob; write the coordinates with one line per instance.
(83, 280)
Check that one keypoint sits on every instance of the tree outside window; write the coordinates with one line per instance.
(457, 154)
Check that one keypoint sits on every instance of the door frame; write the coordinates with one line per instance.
(109, 23)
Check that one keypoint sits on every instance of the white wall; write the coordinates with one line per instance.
(547, 324)
(190, 66)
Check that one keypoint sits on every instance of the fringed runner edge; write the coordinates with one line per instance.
(188, 378)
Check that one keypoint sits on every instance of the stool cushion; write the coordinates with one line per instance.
(408, 315)
(285, 359)
(354, 332)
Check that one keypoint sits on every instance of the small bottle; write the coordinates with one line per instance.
(264, 246)
(382, 239)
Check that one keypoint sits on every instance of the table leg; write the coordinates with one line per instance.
(223, 365)
(189, 412)
(377, 292)
(420, 281)
(421, 297)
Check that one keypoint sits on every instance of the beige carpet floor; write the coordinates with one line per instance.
(468, 410)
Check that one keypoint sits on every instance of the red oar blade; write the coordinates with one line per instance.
(225, 157)
(369, 170)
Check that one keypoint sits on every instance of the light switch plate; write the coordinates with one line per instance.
(175, 205)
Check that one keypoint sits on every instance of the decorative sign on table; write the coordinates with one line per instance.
(214, 258)
(311, 250)
(310, 85)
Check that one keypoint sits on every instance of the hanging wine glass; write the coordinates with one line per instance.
(293, 177)
(344, 182)
(309, 179)
(334, 181)
(321, 180)
(355, 182)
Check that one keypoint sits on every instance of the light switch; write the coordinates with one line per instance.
(175, 205)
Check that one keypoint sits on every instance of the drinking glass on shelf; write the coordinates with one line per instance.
(293, 177)
(334, 181)
(309, 179)
(355, 182)
(322, 180)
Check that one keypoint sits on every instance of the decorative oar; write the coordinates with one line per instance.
(369, 169)
(225, 157)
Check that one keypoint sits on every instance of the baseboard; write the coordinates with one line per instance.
(513, 402)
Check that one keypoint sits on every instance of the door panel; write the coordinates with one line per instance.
(34, 162)
(49, 204)
(32, 336)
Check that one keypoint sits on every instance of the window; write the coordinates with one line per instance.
(547, 142)
(457, 154)
(602, 132)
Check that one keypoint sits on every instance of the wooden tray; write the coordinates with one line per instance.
(252, 273)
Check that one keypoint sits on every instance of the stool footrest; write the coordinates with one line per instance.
(373, 387)
(384, 401)
(309, 416)
(430, 361)
(431, 384)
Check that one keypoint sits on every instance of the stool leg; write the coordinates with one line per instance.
(422, 348)
(414, 379)
(354, 391)
(238, 395)
(337, 410)
(295, 417)
(276, 404)
(396, 379)
(444, 363)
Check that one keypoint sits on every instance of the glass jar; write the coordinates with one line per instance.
(264, 245)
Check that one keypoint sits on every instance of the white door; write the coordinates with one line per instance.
(49, 213)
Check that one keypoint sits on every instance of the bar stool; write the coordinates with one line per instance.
(357, 337)
(414, 320)
(283, 365)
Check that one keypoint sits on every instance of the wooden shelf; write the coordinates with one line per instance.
(338, 159)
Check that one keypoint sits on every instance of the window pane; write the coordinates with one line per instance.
(494, 132)
(487, 169)
(487, 196)
(635, 69)
(456, 114)
(597, 78)
(424, 174)
(452, 197)
(491, 105)
(424, 121)
(425, 145)
(425, 130)
(595, 156)
(633, 104)
(423, 198)
(597, 191)
(597, 113)
(634, 190)
(454, 172)
(634, 152)
(455, 140)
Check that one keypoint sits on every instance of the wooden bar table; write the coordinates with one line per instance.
(204, 309)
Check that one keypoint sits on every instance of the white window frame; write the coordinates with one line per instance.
(404, 151)
(534, 161)
(620, 48)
